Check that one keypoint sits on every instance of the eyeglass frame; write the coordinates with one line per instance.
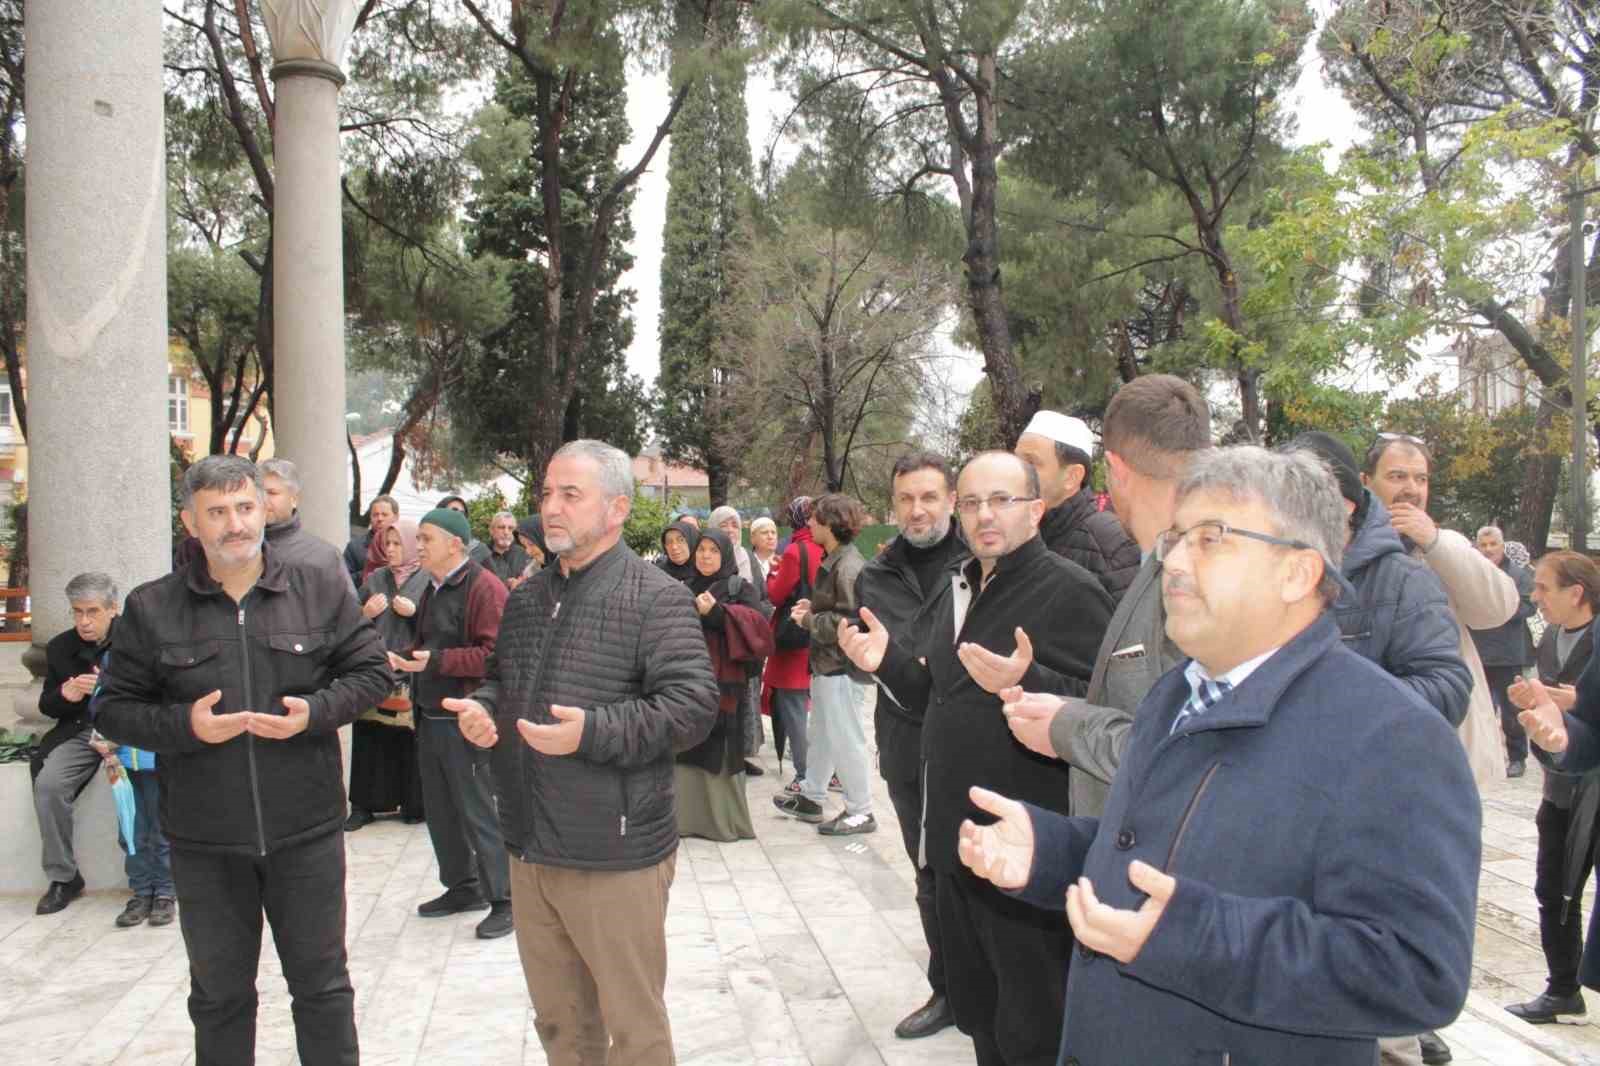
(996, 501)
(1162, 552)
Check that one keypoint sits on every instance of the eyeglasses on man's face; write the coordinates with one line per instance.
(996, 501)
(1203, 538)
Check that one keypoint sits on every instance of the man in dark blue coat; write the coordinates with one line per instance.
(1238, 901)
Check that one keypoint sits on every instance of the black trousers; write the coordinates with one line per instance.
(1005, 971)
(1560, 922)
(458, 801)
(1500, 679)
(221, 898)
(906, 796)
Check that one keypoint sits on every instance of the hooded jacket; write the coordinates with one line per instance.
(1398, 616)
(1325, 835)
(297, 632)
(1094, 539)
(621, 640)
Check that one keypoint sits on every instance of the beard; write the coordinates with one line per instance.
(935, 534)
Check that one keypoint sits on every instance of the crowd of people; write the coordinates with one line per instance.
(1187, 772)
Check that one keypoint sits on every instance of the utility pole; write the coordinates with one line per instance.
(1579, 523)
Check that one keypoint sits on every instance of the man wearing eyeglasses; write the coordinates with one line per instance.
(1153, 426)
(1240, 900)
(1015, 613)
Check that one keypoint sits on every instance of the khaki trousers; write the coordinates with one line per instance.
(594, 953)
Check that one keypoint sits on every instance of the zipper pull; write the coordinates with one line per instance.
(624, 825)
(241, 615)
(556, 611)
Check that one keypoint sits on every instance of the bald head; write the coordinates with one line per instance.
(997, 495)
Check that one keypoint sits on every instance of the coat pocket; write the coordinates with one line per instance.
(298, 660)
(192, 670)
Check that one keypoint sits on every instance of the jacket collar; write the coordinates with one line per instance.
(1252, 703)
(1070, 511)
(287, 528)
(1024, 556)
(601, 564)
(895, 556)
(274, 575)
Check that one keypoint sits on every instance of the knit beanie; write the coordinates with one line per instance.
(450, 521)
(1340, 459)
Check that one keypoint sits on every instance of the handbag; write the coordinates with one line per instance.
(786, 633)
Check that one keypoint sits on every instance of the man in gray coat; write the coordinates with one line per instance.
(1153, 426)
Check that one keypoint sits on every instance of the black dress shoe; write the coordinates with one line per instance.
(452, 902)
(927, 1019)
(1545, 1008)
(137, 910)
(163, 910)
(1516, 769)
(753, 768)
(59, 894)
(1435, 1052)
(498, 923)
(358, 819)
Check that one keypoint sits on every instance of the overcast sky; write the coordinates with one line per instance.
(1322, 112)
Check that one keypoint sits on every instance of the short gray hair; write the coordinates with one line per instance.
(1296, 486)
(284, 470)
(503, 514)
(616, 469)
(722, 514)
(220, 473)
(92, 585)
(1498, 534)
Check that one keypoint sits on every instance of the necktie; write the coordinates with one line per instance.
(1204, 695)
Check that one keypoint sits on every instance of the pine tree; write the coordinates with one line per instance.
(708, 178)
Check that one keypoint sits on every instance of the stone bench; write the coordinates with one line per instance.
(94, 835)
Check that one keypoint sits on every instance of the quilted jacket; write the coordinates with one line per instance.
(621, 640)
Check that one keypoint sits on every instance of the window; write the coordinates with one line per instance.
(5, 408)
(178, 403)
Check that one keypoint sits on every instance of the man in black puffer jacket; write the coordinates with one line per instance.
(238, 671)
(1395, 611)
(600, 675)
(1059, 448)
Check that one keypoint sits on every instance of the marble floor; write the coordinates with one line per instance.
(789, 949)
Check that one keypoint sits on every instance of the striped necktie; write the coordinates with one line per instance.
(1204, 694)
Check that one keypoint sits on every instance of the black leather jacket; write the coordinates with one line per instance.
(298, 632)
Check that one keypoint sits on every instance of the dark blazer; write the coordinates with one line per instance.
(1324, 831)
(965, 739)
(1134, 654)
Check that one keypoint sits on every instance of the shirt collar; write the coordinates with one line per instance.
(1196, 674)
(441, 581)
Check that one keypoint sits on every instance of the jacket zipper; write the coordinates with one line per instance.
(250, 738)
(1183, 826)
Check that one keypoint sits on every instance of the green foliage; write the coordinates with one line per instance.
(646, 522)
(482, 508)
(492, 400)
(708, 182)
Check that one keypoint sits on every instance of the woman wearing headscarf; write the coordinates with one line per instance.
(677, 545)
(709, 778)
(530, 534)
(786, 693)
(383, 752)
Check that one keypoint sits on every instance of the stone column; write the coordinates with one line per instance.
(98, 484)
(308, 39)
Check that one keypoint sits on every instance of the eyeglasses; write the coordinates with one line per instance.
(1202, 537)
(997, 502)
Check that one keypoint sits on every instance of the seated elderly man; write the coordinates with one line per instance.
(65, 758)
(1287, 866)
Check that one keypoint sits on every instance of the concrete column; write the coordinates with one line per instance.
(98, 485)
(308, 38)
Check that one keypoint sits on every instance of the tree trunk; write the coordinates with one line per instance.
(1540, 480)
(1014, 402)
(355, 484)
